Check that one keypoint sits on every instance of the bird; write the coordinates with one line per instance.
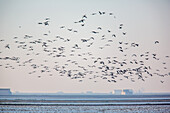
(93, 13)
(110, 13)
(95, 32)
(162, 81)
(99, 28)
(40, 23)
(120, 42)
(156, 42)
(7, 46)
(62, 27)
(84, 16)
(47, 18)
(124, 33)
(46, 23)
(100, 13)
(113, 35)
(69, 60)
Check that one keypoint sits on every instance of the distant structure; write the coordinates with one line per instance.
(123, 92)
(5, 92)
(117, 92)
(128, 91)
(89, 92)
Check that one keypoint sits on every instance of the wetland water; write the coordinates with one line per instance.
(85, 103)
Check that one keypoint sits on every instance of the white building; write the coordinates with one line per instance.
(118, 92)
(5, 92)
(128, 91)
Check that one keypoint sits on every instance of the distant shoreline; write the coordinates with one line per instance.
(85, 100)
(83, 104)
(82, 101)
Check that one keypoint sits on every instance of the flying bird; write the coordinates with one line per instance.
(46, 23)
(7, 46)
(156, 42)
(69, 60)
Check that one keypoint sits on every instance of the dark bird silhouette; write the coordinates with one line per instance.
(110, 13)
(93, 13)
(46, 23)
(113, 35)
(100, 13)
(124, 33)
(99, 28)
(47, 19)
(84, 40)
(7, 46)
(156, 42)
(127, 65)
(62, 27)
(40, 23)
(120, 42)
(84, 16)
(95, 61)
(162, 81)
(81, 21)
(69, 29)
(95, 32)
(92, 38)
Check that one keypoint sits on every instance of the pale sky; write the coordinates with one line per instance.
(144, 22)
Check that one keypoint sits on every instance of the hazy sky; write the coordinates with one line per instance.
(144, 22)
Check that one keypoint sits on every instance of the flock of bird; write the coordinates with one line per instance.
(78, 58)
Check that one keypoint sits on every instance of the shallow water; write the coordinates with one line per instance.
(84, 104)
(86, 109)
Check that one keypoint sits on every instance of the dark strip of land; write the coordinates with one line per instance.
(83, 104)
(84, 101)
